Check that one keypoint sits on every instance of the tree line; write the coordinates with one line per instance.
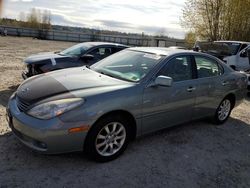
(36, 19)
(217, 20)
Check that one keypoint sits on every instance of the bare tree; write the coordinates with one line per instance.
(218, 19)
(46, 20)
(190, 39)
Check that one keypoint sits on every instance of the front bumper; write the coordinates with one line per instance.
(44, 136)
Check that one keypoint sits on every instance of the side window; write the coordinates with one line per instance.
(207, 67)
(243, 46)
(98, 52)
(178, 68)
(116, 49)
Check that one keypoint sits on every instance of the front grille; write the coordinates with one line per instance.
(22, 106)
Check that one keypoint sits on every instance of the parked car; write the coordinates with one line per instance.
(99, 109)
(86, 53)
(234, 53)
(231, 52)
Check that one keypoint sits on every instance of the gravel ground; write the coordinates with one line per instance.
(196, 154)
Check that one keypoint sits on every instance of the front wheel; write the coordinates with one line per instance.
(223, 111)
(108, 139)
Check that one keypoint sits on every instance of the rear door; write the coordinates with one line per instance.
(167, 106)
(208, 73)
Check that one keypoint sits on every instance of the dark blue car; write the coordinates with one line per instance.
(86, 53)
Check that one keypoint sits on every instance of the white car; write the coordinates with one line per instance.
(238, 59)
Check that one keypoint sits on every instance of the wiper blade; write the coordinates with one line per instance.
(106, 74)
(59, 53)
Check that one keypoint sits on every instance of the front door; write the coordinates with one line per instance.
(168, 106)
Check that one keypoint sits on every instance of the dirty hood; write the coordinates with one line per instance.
(62, 82)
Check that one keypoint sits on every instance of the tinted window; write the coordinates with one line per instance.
(178, 68)
(76, 50)
(101, 52)
(207, 67)
(114, 50)
(243, 46)
(232, 47)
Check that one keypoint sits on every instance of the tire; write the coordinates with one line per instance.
(109, 132)
(223, 111)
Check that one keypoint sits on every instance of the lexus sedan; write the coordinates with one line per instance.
(100, 108)
(86, 53)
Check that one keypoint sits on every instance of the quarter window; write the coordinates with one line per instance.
(207, 67)
(179, 69)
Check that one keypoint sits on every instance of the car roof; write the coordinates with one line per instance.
(160, 50)
(225, 41)
(170, 51)
(92, 44)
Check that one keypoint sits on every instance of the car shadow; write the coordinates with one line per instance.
(5, 95)
(178, 134)
(197, 148)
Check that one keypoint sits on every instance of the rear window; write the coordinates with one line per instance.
(207, 67)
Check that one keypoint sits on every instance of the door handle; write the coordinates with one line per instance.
(190, 89)
(224, 83)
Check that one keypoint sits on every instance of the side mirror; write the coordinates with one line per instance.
(163, 81)
(243, 53)
(87, 57)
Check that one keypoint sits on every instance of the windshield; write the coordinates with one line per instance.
(233, 47)
(127, 65)
(76, 50)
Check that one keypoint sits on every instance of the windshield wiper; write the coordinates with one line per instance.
(88, 67)
(107, 74)
(59, 53)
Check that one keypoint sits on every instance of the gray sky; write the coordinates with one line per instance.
(148, 16)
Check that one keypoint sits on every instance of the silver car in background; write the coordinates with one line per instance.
(99, 109)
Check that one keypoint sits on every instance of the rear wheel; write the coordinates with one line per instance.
(107, 139)
(223, 111)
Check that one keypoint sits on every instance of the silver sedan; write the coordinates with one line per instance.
(99, 109)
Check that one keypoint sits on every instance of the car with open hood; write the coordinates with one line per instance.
(100, 108)
(86, 53)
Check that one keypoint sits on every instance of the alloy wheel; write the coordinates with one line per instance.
(110, 139)
(224, 110)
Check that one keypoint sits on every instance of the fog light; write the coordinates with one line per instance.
(40, 145)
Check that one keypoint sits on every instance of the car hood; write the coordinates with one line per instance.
(64, 82)
(48, 57)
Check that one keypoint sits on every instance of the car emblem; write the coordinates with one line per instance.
(24, 90)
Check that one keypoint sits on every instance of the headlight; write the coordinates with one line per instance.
(52, 109)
